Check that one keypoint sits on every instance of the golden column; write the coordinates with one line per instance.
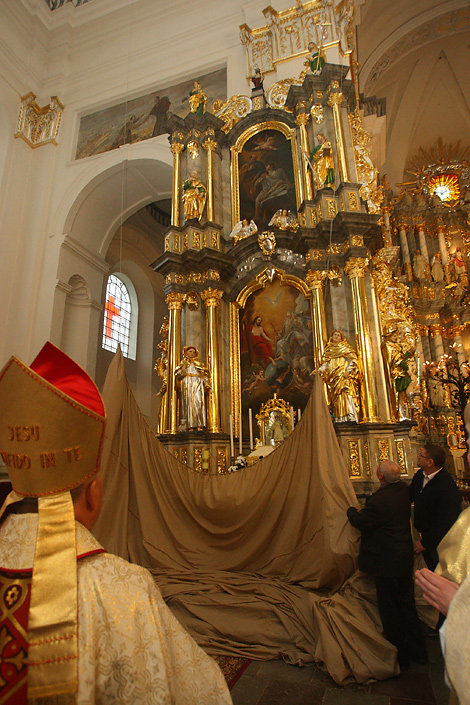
(315, 280)
(334, 101)
(355, 269)
(301, 120)
(175, 302)
(211, 298)
(210, 145)
(176, 149)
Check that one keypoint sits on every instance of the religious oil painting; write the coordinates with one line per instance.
(145, 117)
(266, 177)
(276, 347)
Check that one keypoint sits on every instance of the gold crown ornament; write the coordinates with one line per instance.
(52, 422)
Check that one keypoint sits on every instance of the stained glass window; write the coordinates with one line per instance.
(117, 316)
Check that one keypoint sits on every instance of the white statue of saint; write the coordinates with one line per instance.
(194, 381)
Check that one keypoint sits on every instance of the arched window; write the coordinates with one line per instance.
(120, 316)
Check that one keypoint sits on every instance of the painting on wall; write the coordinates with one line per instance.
(276, 347)
(266, 177)
(142, 118)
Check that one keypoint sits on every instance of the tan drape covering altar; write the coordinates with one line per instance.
(255, 563)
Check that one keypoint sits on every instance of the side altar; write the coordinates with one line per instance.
(285, 259)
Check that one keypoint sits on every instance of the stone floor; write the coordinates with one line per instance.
(276, 683)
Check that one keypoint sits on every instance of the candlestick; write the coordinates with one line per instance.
(299, 415)
(241, 434)
(232, 449)
(250, 423)
(292, 418)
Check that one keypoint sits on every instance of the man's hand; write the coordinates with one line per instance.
(418, 546)
(437, 590)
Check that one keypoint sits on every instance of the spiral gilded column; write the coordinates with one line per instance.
(175, 303)
(211, 298)
(355, 269)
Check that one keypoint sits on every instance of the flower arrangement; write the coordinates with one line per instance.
(240, 462)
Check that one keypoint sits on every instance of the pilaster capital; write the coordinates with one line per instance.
(176, 148)
(315, 278)
(436, 329)
(211, 297)
(335, 98)
(403, 227)
(302, 119)
(356, 267)
(210, 145)
(175, 301)
(421, 227)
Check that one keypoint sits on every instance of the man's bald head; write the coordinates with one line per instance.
(388, 471)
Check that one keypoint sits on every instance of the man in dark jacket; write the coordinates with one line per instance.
(437, 502)
(387, 553)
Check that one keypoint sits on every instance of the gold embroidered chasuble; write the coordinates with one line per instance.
(131, 648)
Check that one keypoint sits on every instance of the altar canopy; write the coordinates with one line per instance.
(258, 563)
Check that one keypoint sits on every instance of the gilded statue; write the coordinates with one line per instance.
(340, 371)
(193, 381)
(243, 229)
(398, 332)
(323, 163)
(197, 100)
(316, 59)
(284, 219)
(161, 367)
(194, 197)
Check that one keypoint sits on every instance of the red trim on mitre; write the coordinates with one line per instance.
(62, 372)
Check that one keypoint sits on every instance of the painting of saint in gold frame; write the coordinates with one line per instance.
(265, 173)
(275, 346)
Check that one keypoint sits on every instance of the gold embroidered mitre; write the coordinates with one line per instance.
(50, 431)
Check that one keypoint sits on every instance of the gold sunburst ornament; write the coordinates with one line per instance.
(446, 186)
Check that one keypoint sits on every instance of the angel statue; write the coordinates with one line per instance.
(323, 163)
(197, 100)
(284, 220)
(193, 380)
(340, 371)
(194, 197)
(243, 229)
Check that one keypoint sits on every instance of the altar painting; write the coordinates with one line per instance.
(266, 177)
(276, 347)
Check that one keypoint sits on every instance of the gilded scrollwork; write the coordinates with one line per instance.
(370, 191)
(192, 300)
(232, 110)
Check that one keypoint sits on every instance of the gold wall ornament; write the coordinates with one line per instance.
(334, 275)
(367, 174)
(191, 298)
(335, 248)
(367, 458)
(317, 113)
(232, 110)
(353, 202)
(331, 207)
(401, 457)
(316, 255)
(193, 149)
(184, 455)
(383, 449)
(221, 459)
(354, 459)
(289, 134)
(198, 458)
(288, 32)
(357, 241)
(267, 242)
(38, 126)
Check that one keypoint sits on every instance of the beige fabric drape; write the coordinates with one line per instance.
(256, 562)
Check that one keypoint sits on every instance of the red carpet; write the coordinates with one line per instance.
(232, 667)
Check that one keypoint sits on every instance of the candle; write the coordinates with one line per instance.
(241, 434)
(250, 424)
(292, 418)
(299, 414)
(232, 449)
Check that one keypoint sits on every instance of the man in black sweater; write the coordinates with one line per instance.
(386, 552)
(437, 502)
